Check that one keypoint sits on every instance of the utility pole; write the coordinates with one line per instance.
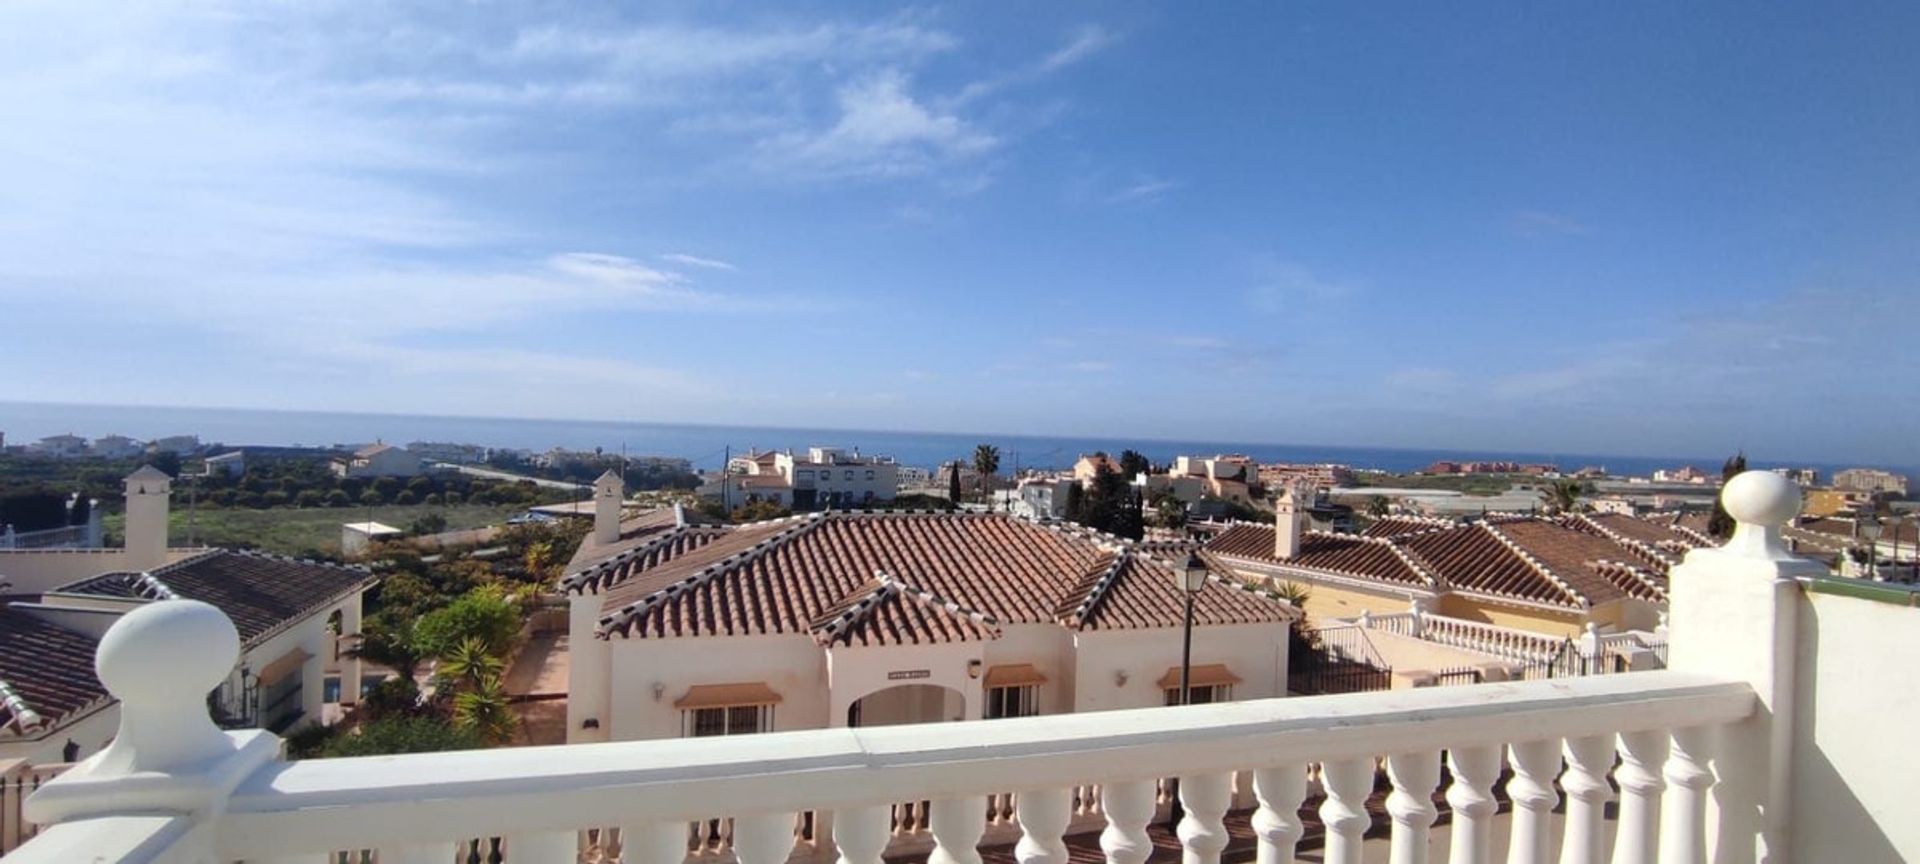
(726, 476)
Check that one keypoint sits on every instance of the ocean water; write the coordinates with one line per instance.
(23, 422)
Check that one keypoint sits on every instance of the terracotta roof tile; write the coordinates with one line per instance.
(1345, 554)
(1399, 526)
(784, 576)
(49, 668)
(259, 592)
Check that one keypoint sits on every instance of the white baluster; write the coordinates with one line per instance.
(1534, 765)
(418, 853)
(1585, 781)
(1470, 795)
(957, 824)
(1344, 813)
(1410, 805)
(1129, 807)
(653, 843)
(1277, 822)
(862, 833)
(543, 847)
(1043, 815)
(1637, 835)
(1683, 812)
(763, 838)
(1203, 830)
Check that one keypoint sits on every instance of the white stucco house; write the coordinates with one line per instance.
(378, 460)
(875, 618)
(292, 616)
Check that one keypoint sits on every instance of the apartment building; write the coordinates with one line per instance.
(1870, 480)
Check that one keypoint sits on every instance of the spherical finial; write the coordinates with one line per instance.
(167, 650)
(1761, 498)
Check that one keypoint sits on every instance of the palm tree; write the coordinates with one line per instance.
(986, 460)
(1377, 506)
(1564, 496)
(486, 711)
(388, 641)
(470, 663)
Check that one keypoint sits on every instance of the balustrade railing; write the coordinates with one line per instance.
(19, 779)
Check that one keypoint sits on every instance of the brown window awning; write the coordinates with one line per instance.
(288, 664)
(1014, 675)
(1209, 675)
(727, 695)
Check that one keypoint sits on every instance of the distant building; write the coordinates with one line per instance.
(60, 446)
(1324, 476)
(1802, 477)
(1089, 466)
(1870, 480)
(117, 447)
(440, 451)
(825, 477)
(1614, 504)
(1192, 479)
(230, 464)
(1683, 474)
(1044, 497)
(178, 445)
(377, 460)
(912, 477)
(357, 537)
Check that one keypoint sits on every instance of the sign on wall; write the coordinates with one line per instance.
(909, 674)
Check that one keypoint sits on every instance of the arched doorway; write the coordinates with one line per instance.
(907, 703)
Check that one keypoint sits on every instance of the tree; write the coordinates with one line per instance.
(486, 613)
(485, 711)
(1377, 506)
(387, 639)
(953, 486)
(1168, 509)
(1133, 464)
(1563, 496)
(1720, 525)
(986, 461)
(401, 735)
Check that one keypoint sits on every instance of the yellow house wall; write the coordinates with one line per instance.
(1329, 602)
(1538, 621)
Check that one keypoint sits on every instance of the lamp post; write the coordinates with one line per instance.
(1870, 532)
(1192, 576)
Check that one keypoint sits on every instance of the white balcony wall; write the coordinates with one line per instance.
(1856, 760)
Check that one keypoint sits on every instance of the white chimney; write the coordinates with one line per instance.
(147, 490)
(608, 492)
(1289, 522)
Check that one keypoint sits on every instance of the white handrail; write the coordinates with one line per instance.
(317, 805)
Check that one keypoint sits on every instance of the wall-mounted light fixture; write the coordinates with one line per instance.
(973, 668)
(659, 690)
(1119, 677)
(590, 723)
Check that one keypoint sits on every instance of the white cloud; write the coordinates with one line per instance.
(1538, 223)
(1281, 285)
(1084, 43)
(1091, 366)
(881, 131)
(1146, 190)
(686, 260)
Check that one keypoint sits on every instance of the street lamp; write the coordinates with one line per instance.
(1870, 532)
(1192, 576)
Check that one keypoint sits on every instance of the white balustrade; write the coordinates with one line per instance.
(1276, 822)
(1044, 815)
(1531, 789)
(1470, 795)
(1415, 776)
(1203, 830)
(862, 833)
(1683, 812)
(655, 843)
(957, 824)
(764, 838)
(1641, 755)
(1129, 807)
(1589, 758)
(1349, 783)
(543, 847)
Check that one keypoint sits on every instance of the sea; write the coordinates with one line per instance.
(707, 446)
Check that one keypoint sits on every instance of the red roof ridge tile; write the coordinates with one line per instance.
(1659, 555)
(623, 619)
(600, 576)
(1079, 605)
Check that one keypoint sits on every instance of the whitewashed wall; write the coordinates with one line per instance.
(1255, 652)
(91, 731)
(1856, 758)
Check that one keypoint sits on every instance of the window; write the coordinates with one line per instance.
(849, 474)
(1202, 694)
(733, 720)
(804, 475)
(869, 475)
(1011, 702)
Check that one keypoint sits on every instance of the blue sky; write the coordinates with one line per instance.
(1618, 228)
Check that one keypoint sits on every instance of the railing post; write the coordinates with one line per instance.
(1531, 789)
(1475, 770)
(1588, 760)
(1734, 614)
(1636, 838)
(1414, 777)
(1129, 807)
(1344, 813)
(160, 660)
(861, 833)
(1277, 822)
(1043, 815)
(1203, 831)
(957, 824)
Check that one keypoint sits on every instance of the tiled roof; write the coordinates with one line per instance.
(1345, 554)
(1397, 526)
(797, 575)
(259, 592)
(1514, 557)
(46, 673)
(635, 532)
(1659, 543)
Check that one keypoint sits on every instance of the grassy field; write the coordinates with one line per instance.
(291, 531)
